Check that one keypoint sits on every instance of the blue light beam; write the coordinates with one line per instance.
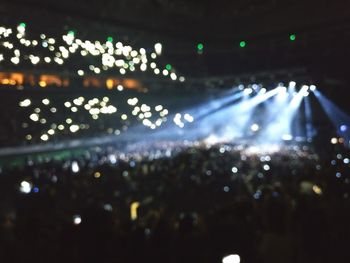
(339, 118)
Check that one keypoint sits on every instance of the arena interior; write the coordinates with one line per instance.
(175, 131)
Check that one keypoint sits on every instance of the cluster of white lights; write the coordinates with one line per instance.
(336, 140)
(93, 106)
(111, 55)
(132, 101)
(144, 113)
(25, 187)
(179, 119)
(148, 116)
(247, 91)
(25, 103)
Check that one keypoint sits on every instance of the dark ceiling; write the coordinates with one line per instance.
(220, 20)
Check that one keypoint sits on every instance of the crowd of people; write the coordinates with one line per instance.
(181, 203)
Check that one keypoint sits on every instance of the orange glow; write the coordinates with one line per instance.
(109, 83)
(131, 84)
(31, 80)
(5, 81)
(133, 210)
(45, 80)
(92, 82)
(50, 80)
(11, 78)
(17, 78)
(65, 83)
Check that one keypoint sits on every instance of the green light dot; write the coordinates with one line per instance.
(110, 39)
(242, 44)
(22, 24)
(292, 37)
(71, 32)
(168, 67)
(200, 46)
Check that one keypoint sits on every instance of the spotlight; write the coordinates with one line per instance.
(292, 84)
(247, 91)
(278, 124)
(338, 117)
(262, 91)
(304, 91)
(282, 89)
(312, 87)
(255, 86)
(255, 127)
(282, 94)
(287, 137)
